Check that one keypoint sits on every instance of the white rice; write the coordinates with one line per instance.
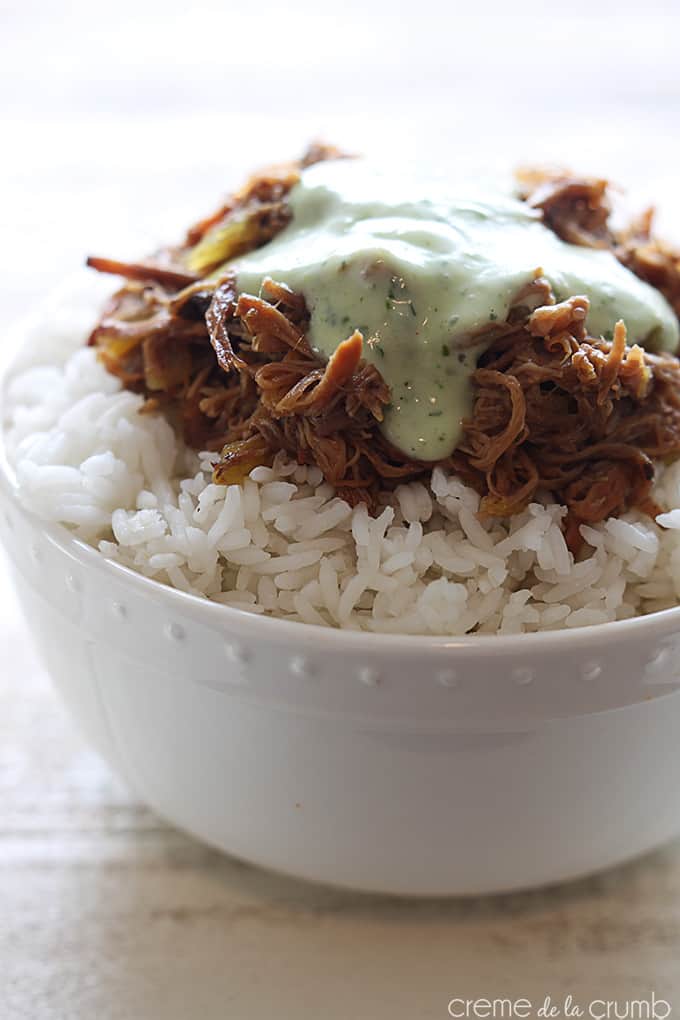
(284, 545)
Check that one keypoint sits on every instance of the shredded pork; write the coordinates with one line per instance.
(555, 410)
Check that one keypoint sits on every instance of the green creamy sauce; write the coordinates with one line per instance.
(420, 275)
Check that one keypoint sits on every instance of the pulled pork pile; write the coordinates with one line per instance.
(569, 414)
(554, 409)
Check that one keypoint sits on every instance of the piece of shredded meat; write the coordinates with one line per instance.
(578, 210)
(579, 417)
(555, 411)
(323, 414)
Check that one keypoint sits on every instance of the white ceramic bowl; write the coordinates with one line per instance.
(395, 764)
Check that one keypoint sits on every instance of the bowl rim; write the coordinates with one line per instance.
(251, 624)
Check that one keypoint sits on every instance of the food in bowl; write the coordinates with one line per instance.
(376, 400)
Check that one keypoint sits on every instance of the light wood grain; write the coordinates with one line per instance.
(119, 124)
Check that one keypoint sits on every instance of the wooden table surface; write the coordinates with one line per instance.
(117, 126)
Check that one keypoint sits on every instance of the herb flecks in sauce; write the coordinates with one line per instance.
(421, 276)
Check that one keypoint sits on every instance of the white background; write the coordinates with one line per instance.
(119, 119)
(119, 122)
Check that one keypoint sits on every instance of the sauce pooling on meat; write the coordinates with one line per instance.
(425, 278)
